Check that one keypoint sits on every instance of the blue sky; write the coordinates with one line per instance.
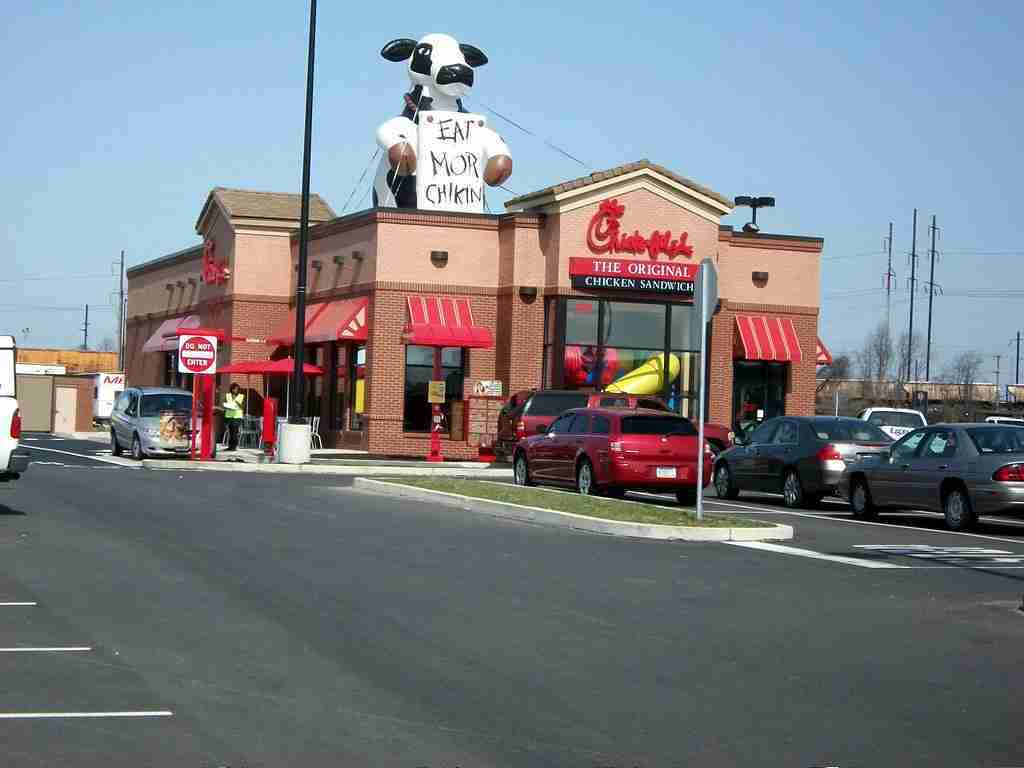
(120, 118)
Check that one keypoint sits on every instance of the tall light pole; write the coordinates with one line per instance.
(298, 390)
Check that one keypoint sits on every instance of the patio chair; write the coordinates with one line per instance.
(315, 441)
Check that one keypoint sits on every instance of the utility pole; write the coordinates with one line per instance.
(913, 289)
(998, 359)
(1016, 379)
(85, 329)
(121, 319)
(889, 275)
(931, 295)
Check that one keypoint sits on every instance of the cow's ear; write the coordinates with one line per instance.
(398, 50)
(474, 56)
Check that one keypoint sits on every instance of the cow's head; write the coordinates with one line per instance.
(437, 62)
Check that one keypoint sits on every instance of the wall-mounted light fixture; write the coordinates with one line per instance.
(317, 264)
(528, 293)
(339, 259)
(192, 281)
(760, 279)
(754, 203)
(169, 286)
(357, 255)
(439, 258)
(180, 283)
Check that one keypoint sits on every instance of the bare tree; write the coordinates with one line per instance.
(875, 357)
(838, 369)
(107, 345)
(964, 373)
(907, 353)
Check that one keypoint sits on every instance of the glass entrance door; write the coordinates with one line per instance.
(758, 393)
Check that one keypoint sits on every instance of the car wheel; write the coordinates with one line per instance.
(957, 509)
(115, 447)
(616, 493)
(521, 471)
(585, 479)
(687, 496)
(725, 483)
(137, 453)
(792, 490)
(860, 500)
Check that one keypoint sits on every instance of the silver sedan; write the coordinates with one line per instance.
(960, 470)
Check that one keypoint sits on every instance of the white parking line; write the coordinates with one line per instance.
(104, 459)
(65, 715)
(22, 604)
(47, 649)
(810, 553)
(852, 521)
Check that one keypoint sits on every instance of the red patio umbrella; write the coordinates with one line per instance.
(282, 367)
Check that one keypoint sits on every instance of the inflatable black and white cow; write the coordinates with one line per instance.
(437, 156)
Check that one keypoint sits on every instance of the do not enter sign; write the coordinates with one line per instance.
(197, 354)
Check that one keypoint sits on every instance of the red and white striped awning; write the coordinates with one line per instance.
(765, 337)
(823, 356)
(444, 321)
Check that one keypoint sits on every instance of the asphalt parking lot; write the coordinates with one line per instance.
(211, 618)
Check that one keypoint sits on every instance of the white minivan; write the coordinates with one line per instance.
(895, 422)
(13, 460)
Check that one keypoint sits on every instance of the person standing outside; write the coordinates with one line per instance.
(233, 402)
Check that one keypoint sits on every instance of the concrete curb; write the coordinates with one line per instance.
(319, 469)
(774, 532)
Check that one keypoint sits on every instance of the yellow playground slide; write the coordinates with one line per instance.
(648, 379)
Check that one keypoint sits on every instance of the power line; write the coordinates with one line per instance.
(853, 255)
(528, 132)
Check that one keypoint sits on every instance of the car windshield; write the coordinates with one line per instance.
(895, 419)
(657, 425)
(850, 431)
(154, 405)
(554, 403)
(998, 439)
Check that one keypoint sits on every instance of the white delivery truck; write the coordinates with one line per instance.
(108, 387)
(13, 459)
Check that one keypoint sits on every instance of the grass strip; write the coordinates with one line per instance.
(590, 506)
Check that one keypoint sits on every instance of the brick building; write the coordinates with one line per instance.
(586, 284)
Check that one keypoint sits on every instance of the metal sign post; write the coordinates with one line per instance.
(707, 297)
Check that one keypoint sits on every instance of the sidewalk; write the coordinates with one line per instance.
(330, 462)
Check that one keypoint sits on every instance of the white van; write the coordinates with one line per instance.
(108, 386)
(13, 460)
(895, 422)
(1010, 420)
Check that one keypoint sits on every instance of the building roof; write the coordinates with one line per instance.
(247, 204)
(611, 173)
(185, 254)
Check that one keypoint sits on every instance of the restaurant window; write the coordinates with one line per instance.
(172, 377)
(606, 342)
(419, 370)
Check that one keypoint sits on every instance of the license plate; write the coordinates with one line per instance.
(665, 473)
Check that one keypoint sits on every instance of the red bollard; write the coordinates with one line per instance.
(435, 435)
(269, 424)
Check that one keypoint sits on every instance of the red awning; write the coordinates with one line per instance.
(824, 357)
(443, 321)
(164, 339)
(342, 320)
(769, 338)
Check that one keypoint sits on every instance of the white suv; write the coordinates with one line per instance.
(895, 422)
(13, 461)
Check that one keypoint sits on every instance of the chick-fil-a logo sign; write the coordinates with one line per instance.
(213, 272)
(604, 236)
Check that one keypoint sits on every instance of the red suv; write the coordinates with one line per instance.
(612, 450)
(531, 412)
